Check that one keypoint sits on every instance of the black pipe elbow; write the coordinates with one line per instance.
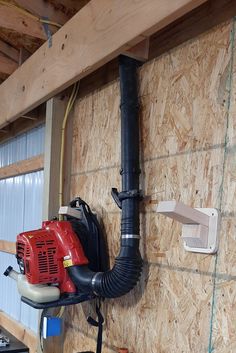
(82, 277)
(121, 279)
(111, 284)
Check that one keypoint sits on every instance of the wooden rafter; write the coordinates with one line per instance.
(24, 17)
(43, 9)
(86, 42)
(7, 65)
(9, 51)
(23, 56)
(13, 19)
(72, 6)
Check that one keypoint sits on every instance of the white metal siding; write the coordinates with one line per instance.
(20, 210)
(22, 147)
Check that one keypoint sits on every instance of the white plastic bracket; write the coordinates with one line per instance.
(200, 225)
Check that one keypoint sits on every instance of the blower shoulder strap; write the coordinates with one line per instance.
(94, 246)
(91, 236)
(99, 325)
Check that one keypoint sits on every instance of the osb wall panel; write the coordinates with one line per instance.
(184, 302)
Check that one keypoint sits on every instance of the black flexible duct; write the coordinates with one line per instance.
(128, 265)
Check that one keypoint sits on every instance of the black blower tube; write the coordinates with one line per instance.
(127, 269)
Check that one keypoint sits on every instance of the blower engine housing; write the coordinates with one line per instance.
(44, 254)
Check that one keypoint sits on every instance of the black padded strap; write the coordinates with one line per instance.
(99, 325)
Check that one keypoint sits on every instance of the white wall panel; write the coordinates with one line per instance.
(20, 210)
(9, 298)
(12, 207)
(33, 200)
(35, 142)
(25, 146)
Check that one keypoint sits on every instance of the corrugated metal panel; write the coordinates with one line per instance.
(35, 142)
(13, 151)
(9, 298)
(33, 200)
(20, 209)
(32, 220)
(22, 147)
(12, 207)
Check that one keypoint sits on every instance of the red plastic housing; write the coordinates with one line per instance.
(47, 252)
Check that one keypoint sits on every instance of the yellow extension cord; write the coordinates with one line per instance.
(69, 106)
(62, 154)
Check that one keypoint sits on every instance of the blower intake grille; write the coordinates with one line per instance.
(38, 258)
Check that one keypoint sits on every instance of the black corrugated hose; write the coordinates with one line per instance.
(126, 272)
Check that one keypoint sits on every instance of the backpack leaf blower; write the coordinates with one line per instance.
(65, 262)
(44, 256)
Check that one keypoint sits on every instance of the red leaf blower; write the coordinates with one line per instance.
(44, 256)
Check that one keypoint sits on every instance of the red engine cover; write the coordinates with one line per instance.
(45, 253)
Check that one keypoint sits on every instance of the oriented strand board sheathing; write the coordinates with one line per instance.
(184, 302)
(226, 268)
(99, 116)
(184, 96)
(224, 323)
(181, 177)
(229, 187)
(97, 186)
(141, 318)
(224, 294)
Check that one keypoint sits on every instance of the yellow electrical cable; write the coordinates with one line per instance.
(69, 106)
(63, 146)
(52, 23)
(61, 312)
(27, 13)
(74, 98)
(67, 112)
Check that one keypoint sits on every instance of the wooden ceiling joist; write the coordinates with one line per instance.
(72, 6)
(95, 35)
(42, 9)
(7, 65)
(18, 21)
(23, 55)
(9, 51)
